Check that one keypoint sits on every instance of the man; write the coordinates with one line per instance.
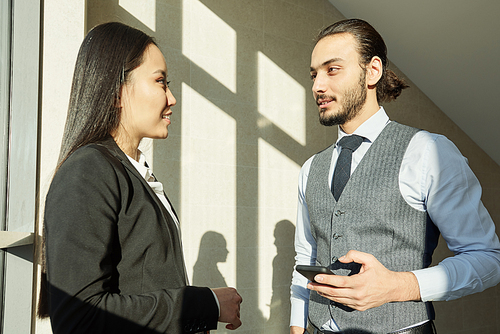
(376, 226)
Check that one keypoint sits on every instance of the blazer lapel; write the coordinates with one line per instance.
(113, 148)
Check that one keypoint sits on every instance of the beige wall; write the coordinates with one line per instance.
(244, 123)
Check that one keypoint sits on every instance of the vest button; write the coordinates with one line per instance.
(336, 236)
(338, 213)
(334, 259)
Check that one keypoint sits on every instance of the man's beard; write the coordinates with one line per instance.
(353, 100)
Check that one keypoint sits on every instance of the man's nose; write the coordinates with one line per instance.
(319, 85)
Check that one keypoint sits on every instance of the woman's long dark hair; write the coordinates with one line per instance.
(106, 58)
(107, 55)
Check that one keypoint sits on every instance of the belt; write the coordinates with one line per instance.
(311, 329)
(425, 328)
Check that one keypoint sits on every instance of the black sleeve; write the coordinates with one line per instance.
(81, 214)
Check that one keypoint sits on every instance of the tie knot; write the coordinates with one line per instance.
(350, 142)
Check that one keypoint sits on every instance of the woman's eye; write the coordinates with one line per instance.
(163, 82)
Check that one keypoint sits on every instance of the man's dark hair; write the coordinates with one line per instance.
(370, 44)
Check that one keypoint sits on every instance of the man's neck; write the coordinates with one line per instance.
(364, 114)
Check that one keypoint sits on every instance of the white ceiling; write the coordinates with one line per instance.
(449, 49)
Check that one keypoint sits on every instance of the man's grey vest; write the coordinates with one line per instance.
(371, 216)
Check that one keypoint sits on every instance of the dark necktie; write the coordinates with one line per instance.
(342, 172)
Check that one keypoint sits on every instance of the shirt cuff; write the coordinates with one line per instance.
(433, 282)
(217, 301)
(298, 312)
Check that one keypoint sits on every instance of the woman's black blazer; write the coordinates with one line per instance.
(113, 253)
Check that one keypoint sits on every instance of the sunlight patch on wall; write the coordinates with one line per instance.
(281, 99)
(144, 11)
(277, 201)
(208, 166)
(209, 42)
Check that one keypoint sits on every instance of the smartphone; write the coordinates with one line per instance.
(310, 271)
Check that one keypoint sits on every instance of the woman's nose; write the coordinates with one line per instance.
(170, 98)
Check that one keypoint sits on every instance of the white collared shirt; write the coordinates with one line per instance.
(147, 174)
(436, 178)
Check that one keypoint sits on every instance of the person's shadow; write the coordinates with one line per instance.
(213, 249)
(283, 262)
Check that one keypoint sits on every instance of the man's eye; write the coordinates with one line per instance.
(313, 76)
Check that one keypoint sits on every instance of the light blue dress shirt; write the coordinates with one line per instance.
(436, 178)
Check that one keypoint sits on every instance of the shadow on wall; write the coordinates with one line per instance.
(213, 249)
(283, 263)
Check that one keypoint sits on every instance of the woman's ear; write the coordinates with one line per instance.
(118, 99)
(374, 71)
(117, 102)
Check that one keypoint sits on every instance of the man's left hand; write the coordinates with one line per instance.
(373, 286)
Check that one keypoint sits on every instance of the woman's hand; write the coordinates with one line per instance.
(229, 303)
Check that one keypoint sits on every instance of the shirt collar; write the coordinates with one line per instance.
(371, 128)
(141, 166)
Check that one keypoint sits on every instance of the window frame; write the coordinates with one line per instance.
(20, 30)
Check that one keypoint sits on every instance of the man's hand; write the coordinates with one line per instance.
(229, 303)
(297, 330)
(373, 286)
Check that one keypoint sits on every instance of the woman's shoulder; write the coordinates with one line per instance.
(89, 180)
(89, 156)
(90, 161)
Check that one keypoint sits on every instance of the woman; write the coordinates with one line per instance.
(113, 253)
